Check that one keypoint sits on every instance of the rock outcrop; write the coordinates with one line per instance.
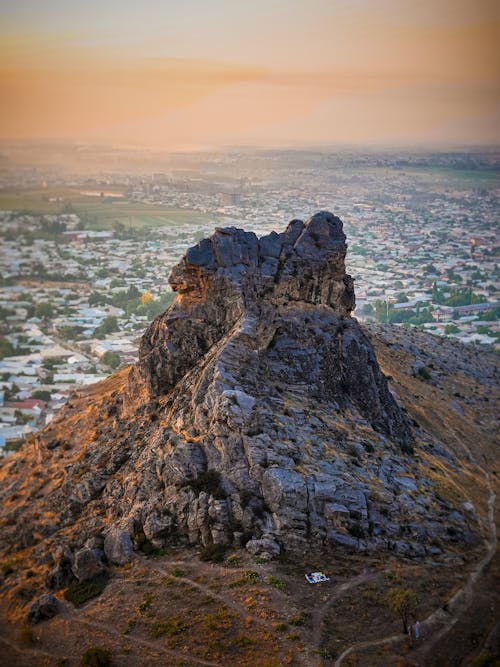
(257, 415)
(283, 299)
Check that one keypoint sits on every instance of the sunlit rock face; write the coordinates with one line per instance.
(289, 298)
(234, 274)
(256, 415)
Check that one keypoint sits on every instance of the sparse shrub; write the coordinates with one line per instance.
(169, 628)
(213, 553)
(62, 662)
(146, 603)
(281, 627)
(130, 626)
(325, 654)
(273, 581)
(177, 572)
(221, 620)
(95, 656)
(82, 591)
(297, 620)
(403, 601)
(233, 560)
(247, 578)
(261, 561)
(424, 373)
(209, 482)
(241, 641)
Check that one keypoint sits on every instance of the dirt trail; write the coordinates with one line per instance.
(320, 613)
(155, 646)
(440, 622)
(25, 651)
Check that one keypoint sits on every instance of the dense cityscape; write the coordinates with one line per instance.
(85, 258)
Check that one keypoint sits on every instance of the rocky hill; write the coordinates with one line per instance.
(258, 419)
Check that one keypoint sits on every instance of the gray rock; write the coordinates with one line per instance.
(343, 539)
(118, 547)
(266, 548)
(245, 414)
(337, 515)
(88, 563)
(61, 575)
(47, 606)
(406, 483)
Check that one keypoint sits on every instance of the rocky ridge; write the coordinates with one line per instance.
(257, 416)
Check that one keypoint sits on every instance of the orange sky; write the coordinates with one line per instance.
(279, 72)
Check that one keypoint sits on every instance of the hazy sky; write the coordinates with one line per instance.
(180, 73)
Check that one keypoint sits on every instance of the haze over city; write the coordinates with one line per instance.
(284, 73)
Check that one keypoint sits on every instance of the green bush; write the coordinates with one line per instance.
(168, 628)
(424, 373)
(95, 656)
(276, 583)
(82, 591)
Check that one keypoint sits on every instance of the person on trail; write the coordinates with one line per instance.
(417, 630)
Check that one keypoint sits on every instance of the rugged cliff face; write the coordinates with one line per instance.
(257, 415)
(282, 301)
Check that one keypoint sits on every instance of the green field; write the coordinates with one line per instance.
(97, 213)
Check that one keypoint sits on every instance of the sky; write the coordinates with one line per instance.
(180, 74)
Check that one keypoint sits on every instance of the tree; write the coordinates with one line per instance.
(367, 309)
(6, 348)
(22, 417)
(146, 296)
(44, 310)
(111, 359)
(403, 601)
(107, 326)
(42, 395)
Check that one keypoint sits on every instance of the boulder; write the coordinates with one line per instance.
(44, 608)
(88, 563)
(266, 547)
(118, 547)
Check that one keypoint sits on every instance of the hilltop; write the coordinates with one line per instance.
(264, 428)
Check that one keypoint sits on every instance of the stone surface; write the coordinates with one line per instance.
(88, 564)
(257, 414)
(118, 547)
(44, 608)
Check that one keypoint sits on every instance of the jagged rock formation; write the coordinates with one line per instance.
(284, 299)
(256, 415)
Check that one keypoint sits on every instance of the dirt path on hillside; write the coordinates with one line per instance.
(320, 613)
(436, 626)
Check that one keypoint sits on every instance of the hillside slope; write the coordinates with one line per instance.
(262, 422)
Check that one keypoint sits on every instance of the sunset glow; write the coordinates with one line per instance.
(174, 74)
